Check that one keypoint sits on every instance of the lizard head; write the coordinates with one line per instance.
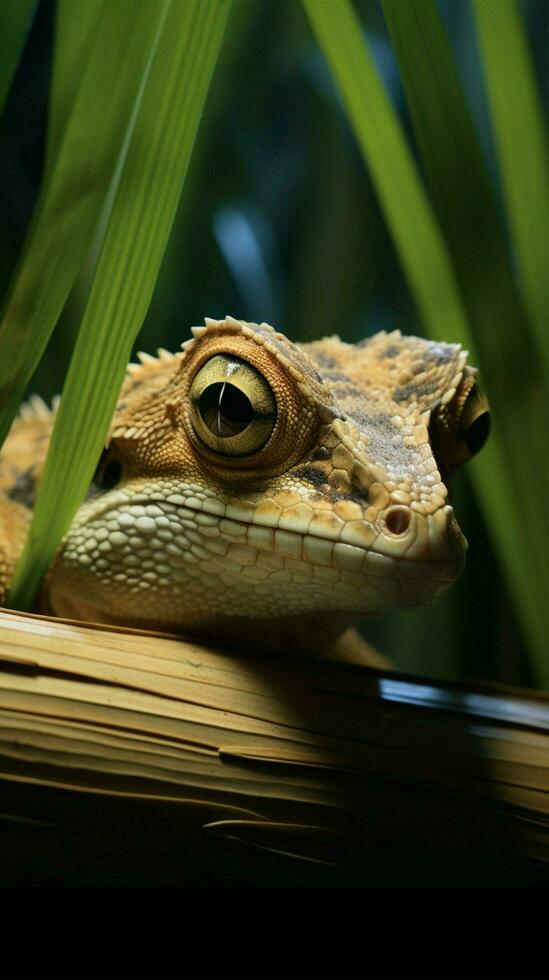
(249, 480)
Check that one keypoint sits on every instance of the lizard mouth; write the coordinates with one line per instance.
(174, 540)
(181, 521)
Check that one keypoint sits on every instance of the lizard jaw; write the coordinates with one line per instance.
(152, 562)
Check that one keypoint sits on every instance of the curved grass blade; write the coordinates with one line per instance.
(418, 240)
(521, 138)
(72, 201)
(425, 259)
(74, 30)
(459, 185)
(135, 241)
(15, 20)
(509, 362)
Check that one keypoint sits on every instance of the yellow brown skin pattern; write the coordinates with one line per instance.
(274, 532)
(21, 464)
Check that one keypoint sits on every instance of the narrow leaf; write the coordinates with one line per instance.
(74, 30)
(421, 247)
(15, 20)
(521, 139)
(135, 241)
(425, 256)
(510, 368)
(71, 202)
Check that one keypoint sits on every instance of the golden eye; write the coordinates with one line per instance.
(232, 408)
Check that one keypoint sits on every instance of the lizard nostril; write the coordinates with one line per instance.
(398, 520)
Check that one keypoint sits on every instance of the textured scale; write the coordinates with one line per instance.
(341, 513)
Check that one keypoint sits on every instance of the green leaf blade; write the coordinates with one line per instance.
(141, 219)
(521, 138)
(438, 248)
(466, 210)
(72, 200)
(421, 247)
(72, 46)
(15, 19)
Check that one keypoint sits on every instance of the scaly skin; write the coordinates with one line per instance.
(273, 528)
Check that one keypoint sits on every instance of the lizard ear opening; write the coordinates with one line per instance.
(108, 473)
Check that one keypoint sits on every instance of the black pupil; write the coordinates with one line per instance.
(225, 409)
(110, 475)
(478, 433)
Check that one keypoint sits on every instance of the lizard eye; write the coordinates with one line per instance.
(473, 427)
(232, 408)
(478, 432)
(460, 429)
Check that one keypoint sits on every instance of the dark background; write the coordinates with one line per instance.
(279, 222)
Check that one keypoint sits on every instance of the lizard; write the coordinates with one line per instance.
(260, 492)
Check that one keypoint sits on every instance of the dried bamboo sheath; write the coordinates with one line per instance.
(335, 764)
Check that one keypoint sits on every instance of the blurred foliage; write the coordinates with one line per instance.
(120, 137)
(280, 222)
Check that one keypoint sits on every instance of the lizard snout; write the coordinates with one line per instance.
(421, 537)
